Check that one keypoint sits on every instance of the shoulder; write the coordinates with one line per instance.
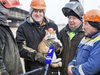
(63, 30)
(23, 24)
(53, 25)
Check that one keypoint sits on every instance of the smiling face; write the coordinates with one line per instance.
(73, 22)
(38, 15)
(88, 29)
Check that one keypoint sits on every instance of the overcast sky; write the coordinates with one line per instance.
(54, 8)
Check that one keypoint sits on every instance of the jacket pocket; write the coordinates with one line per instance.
(86, 52)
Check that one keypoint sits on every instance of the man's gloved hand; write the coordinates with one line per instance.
(40, 57)
(56, 45)
(58, 48)
(31, 55)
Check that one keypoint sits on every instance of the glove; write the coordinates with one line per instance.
(59, 50)
(51, 42)
(31, 55)
(40, 57)
(56, 45)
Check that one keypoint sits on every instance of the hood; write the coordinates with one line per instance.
(3, 15)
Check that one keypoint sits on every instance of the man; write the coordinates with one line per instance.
(9, 55)
(72, 33)
(30, 34)
(87, 58)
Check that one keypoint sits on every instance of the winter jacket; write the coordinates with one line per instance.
(69, 46)
(87, 58)
(9, 55)
(29, 35)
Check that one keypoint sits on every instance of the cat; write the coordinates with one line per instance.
(50, 39)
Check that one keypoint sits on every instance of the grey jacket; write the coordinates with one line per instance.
(9, 55)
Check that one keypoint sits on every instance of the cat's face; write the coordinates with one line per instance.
(50, 35)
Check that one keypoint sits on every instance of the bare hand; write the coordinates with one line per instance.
(70, 69)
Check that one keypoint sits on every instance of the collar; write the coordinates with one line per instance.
(79, 29)
(75, 30)
(93, 35)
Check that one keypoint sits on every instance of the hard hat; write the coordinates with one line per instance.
(74, 6)
(38, 4)
(50, 30)
(92, 15)
(10, 3)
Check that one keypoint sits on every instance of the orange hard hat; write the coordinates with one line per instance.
(92, 15)
(38, 4)
(10, 3)
(50, 30)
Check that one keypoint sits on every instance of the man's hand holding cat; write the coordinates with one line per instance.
(40, 57)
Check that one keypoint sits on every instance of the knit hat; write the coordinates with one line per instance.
(72, 13)
(31, 10)
(95, 24)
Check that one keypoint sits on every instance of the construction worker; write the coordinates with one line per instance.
(30, 34)
(72, 33)
(86, 60)
(9, 55)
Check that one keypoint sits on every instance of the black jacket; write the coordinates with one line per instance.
(69, 46)
(29, 35)
(9, 55)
